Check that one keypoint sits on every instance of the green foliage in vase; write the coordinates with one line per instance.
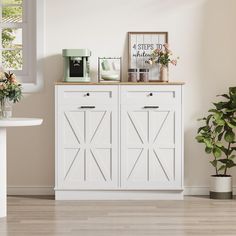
(9, 87)
(218, 133)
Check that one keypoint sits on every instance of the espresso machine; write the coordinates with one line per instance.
(76, 65)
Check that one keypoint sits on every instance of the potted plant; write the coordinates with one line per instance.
(10, 92)
(218, 136)
(163, 57)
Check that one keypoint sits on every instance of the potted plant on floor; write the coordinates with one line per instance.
(218, 136)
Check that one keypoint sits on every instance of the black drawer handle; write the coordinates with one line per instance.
(151, 107)
(87, 107)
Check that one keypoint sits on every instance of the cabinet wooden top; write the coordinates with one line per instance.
(119, 83)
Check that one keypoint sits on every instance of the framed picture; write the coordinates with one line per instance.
(141, 46)
(109, 69)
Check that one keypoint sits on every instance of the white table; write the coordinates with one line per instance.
(5, 123)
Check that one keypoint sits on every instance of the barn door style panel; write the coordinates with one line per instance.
(87, 146)
(151, 145)
(89, 156)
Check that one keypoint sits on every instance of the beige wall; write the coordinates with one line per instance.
(201, 32)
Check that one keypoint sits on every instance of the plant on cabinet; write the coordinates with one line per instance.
(163, 57)
(218, 136)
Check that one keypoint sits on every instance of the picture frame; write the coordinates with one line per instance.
(140, 47)
(109, 69)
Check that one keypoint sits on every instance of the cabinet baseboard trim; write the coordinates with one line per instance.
(49, 190)
(118, 195)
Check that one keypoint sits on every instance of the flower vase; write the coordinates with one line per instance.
(5, 108)
(164, 74)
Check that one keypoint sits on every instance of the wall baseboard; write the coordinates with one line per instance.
(30, 190)
(196, 190)
(49, 190)
(200, 190)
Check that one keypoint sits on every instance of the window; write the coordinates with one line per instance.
(21, 40)
(13, 30)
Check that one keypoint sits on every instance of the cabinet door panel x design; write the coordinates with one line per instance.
(89, 152)
(150, 156)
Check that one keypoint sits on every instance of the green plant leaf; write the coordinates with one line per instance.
(208, 142)
(224, 95)
(232, 157)
(229, 163)
(200, 119)
(219, 144)
(229, 152)
(220, 136)
(208, 150)
(217, 152)
(221, 105)
(204, 128)
(231, 124)
(200, 139)
(230, 110)
(224, 150)
(208, 119)
(229, 136)
(220, 122)
(224, 161)
(218, 115)
(223, 167)
(214, 163)
(232, 90)
(200, 129)
(213, 110)
(219, 128)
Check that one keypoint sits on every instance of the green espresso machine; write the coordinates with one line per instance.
(76, 63)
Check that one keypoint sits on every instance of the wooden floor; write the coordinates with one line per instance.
(44, 216)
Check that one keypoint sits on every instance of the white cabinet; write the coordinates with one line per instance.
(119, 141)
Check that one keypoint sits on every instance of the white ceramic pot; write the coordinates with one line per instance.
(221, 187)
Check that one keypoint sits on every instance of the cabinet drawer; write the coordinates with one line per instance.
(150, 95)
(87, 95)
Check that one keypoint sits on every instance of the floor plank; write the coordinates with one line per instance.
(44, 216)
